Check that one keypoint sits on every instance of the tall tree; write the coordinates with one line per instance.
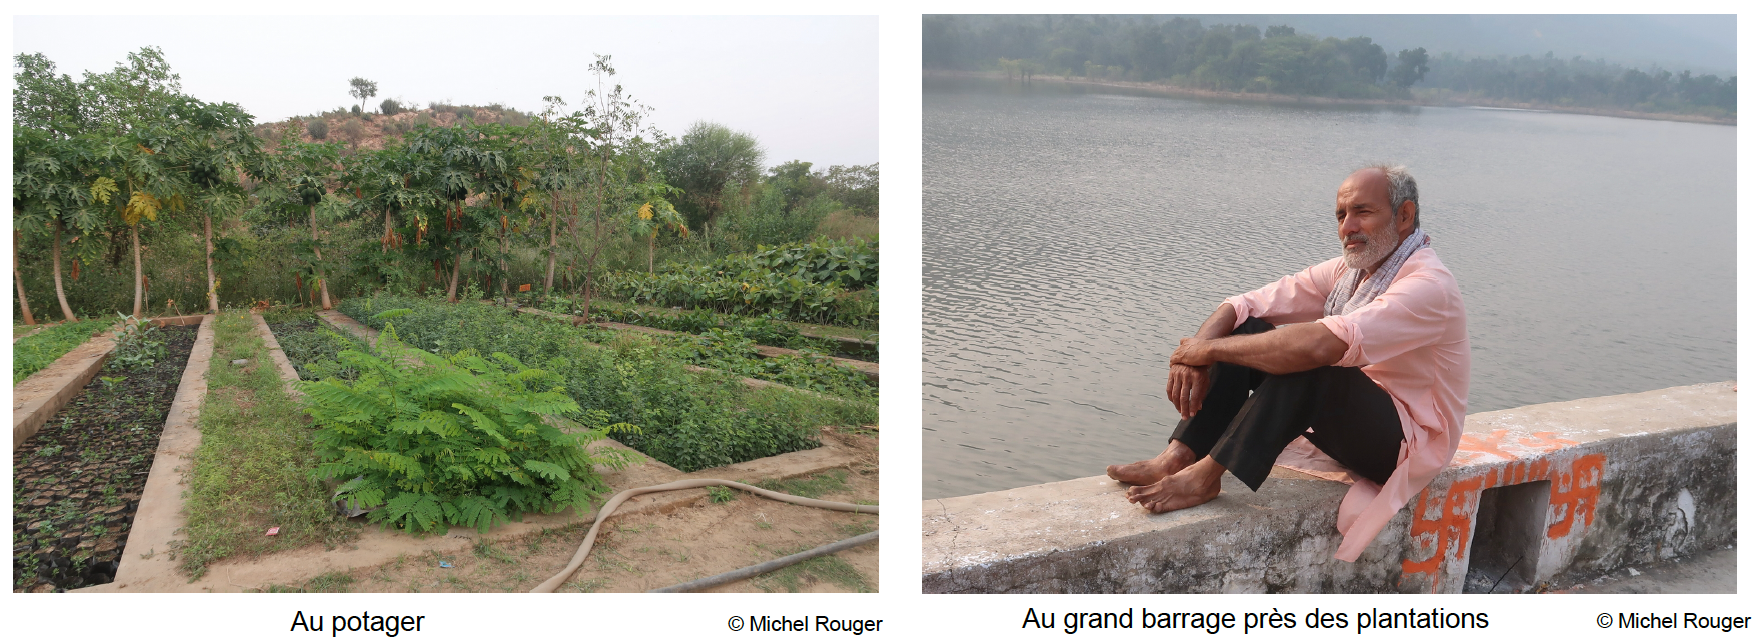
(362, 89)
(705, 162)
(1411, 66)
(614, 122)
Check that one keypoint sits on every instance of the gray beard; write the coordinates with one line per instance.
(1377, 248)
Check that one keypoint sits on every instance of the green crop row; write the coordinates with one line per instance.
(853, 265)
(38, 351)
(689, 420)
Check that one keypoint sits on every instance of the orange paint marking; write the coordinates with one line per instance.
(1575, 494)
(1573, 497)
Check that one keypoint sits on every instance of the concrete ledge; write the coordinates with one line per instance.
(43, 394)
(1539, 493)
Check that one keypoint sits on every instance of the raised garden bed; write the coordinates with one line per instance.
(77, 482)
(688, 420)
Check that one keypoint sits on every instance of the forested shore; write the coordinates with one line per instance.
(1243, 61)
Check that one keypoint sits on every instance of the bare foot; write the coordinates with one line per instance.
(1145, 472)
(1194, 485)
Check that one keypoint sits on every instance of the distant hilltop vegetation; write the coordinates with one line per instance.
(362, 129)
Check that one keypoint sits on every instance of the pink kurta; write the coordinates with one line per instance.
(1411, 341)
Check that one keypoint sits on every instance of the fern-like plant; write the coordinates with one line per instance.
(434, 442)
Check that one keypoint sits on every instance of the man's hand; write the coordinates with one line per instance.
(1187, 387)
(1193, 351)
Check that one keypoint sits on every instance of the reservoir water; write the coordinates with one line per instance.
(1072, 236)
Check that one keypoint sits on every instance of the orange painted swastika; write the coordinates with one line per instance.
(1573, 497)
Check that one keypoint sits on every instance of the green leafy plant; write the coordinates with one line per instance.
(137, 344)
(719, 495)
(453, 441)
(689, 420)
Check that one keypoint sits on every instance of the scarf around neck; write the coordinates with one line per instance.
(1350, 294)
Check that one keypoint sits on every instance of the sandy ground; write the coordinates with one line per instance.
(642, 552)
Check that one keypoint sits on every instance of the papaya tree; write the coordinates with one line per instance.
(654, 214)
(216, 145)
(453, 153)
(50, 192)
(297, 178)
(389, 183)
(555, 164)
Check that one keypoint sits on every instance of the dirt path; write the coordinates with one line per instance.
(643, 552)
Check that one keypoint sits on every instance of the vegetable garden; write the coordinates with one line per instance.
(132, 197)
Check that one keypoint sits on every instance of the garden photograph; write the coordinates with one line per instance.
(574, 314)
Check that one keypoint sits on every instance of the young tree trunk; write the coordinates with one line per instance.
(505, 269)
(456, 268)
(18, 278)
(212, 288)
(60, 293)
(322, 283)
(549, 275)
(386, 242)
(139, 274)
(649, 241)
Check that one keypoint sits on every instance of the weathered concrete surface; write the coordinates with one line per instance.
(40, 396)
(287, 372)
(160, 515)
(1618, 481)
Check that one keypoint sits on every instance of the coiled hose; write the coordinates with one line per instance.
(616, 501)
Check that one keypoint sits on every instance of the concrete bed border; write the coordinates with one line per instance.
(378, 546)
(159, 515)
(43, 394)
(1546, 494)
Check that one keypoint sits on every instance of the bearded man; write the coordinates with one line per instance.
(1364, 357)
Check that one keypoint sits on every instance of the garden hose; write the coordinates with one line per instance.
(616, 501)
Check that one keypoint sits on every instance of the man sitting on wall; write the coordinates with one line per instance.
(1378, 382)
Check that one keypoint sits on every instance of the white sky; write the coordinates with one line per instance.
(806, 87)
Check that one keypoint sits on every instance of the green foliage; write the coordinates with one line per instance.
(766, 331)
(449, 441)
(690, 420)
(137, 344)
(390, 107)
(38, 351)
(802, 282)
(720, 495)
(317, 128)
(705, 162)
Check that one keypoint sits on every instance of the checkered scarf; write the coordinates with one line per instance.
(1350, 294)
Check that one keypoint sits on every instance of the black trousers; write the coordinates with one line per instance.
(1249, 417)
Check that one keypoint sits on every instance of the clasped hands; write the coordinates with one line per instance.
(1191, 364)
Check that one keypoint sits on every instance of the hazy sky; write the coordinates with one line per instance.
(806, 87)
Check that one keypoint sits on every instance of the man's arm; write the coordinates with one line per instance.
(1288, 349)
(1188, 384)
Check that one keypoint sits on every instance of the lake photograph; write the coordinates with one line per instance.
(1094, 186)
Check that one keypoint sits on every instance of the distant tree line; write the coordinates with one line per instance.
(1242, 58)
